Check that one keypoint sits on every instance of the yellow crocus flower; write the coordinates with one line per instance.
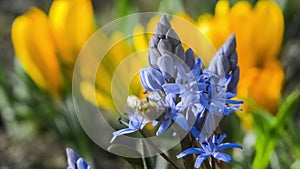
(49, 45)
(34, 46)
(259, 34)
(72, 23)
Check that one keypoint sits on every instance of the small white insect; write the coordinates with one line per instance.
(141, 105)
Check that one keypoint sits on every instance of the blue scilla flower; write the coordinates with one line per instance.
(210, 148)
(74, 161)
(217, 85)
(184, 87)
(136, 122)
(172, 112)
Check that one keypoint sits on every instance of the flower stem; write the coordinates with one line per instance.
(213, 165)
(162, 154)
(206, 164)
(202, 120)
(188, 160)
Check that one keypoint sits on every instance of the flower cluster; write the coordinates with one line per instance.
(185, 93)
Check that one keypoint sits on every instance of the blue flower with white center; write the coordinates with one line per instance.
(75, 161)
(136, 122)
(210, 148)
(172, 112)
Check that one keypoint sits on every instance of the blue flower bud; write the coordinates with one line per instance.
(179, 52)
(189, 58)
(225, 59)
(151, 79)
(165, 21)
(173, 37)
(166, 65)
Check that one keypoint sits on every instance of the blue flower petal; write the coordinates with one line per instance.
(200, 160)
(163, 127)
(173, 88)
(230, 95)
(181, 121)
(195, 132)
(234, 102)
(81, 164)
(154, 123)
(74, 161)
(72, 157)
(188, 99)
(197, 68)
(218, 139)
(190, 151)
(222, 156)
(228, 110)
(189, 58)
(227, 145)
(122, 132)
(169, 100)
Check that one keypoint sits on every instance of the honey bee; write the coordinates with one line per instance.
(142, 106)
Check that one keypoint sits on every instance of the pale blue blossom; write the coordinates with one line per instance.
(210, 148)
(172, 112)
(136, 122)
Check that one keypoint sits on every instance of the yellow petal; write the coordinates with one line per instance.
(204, 23)
(91, 94)
(35, 49)
(241, 23)
(266, 87)
(220, 24)
(139, 38)
(216, 28)
(267, 30)
(222, 8)
(119, 50)
(72, 24)
(246, 82)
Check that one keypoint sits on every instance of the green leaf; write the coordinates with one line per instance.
(268, 138)
(286, 110)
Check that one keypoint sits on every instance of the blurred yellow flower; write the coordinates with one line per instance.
(72, 23)
(47, 46)
(34, 46)
(259, 34)
(116, 73)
